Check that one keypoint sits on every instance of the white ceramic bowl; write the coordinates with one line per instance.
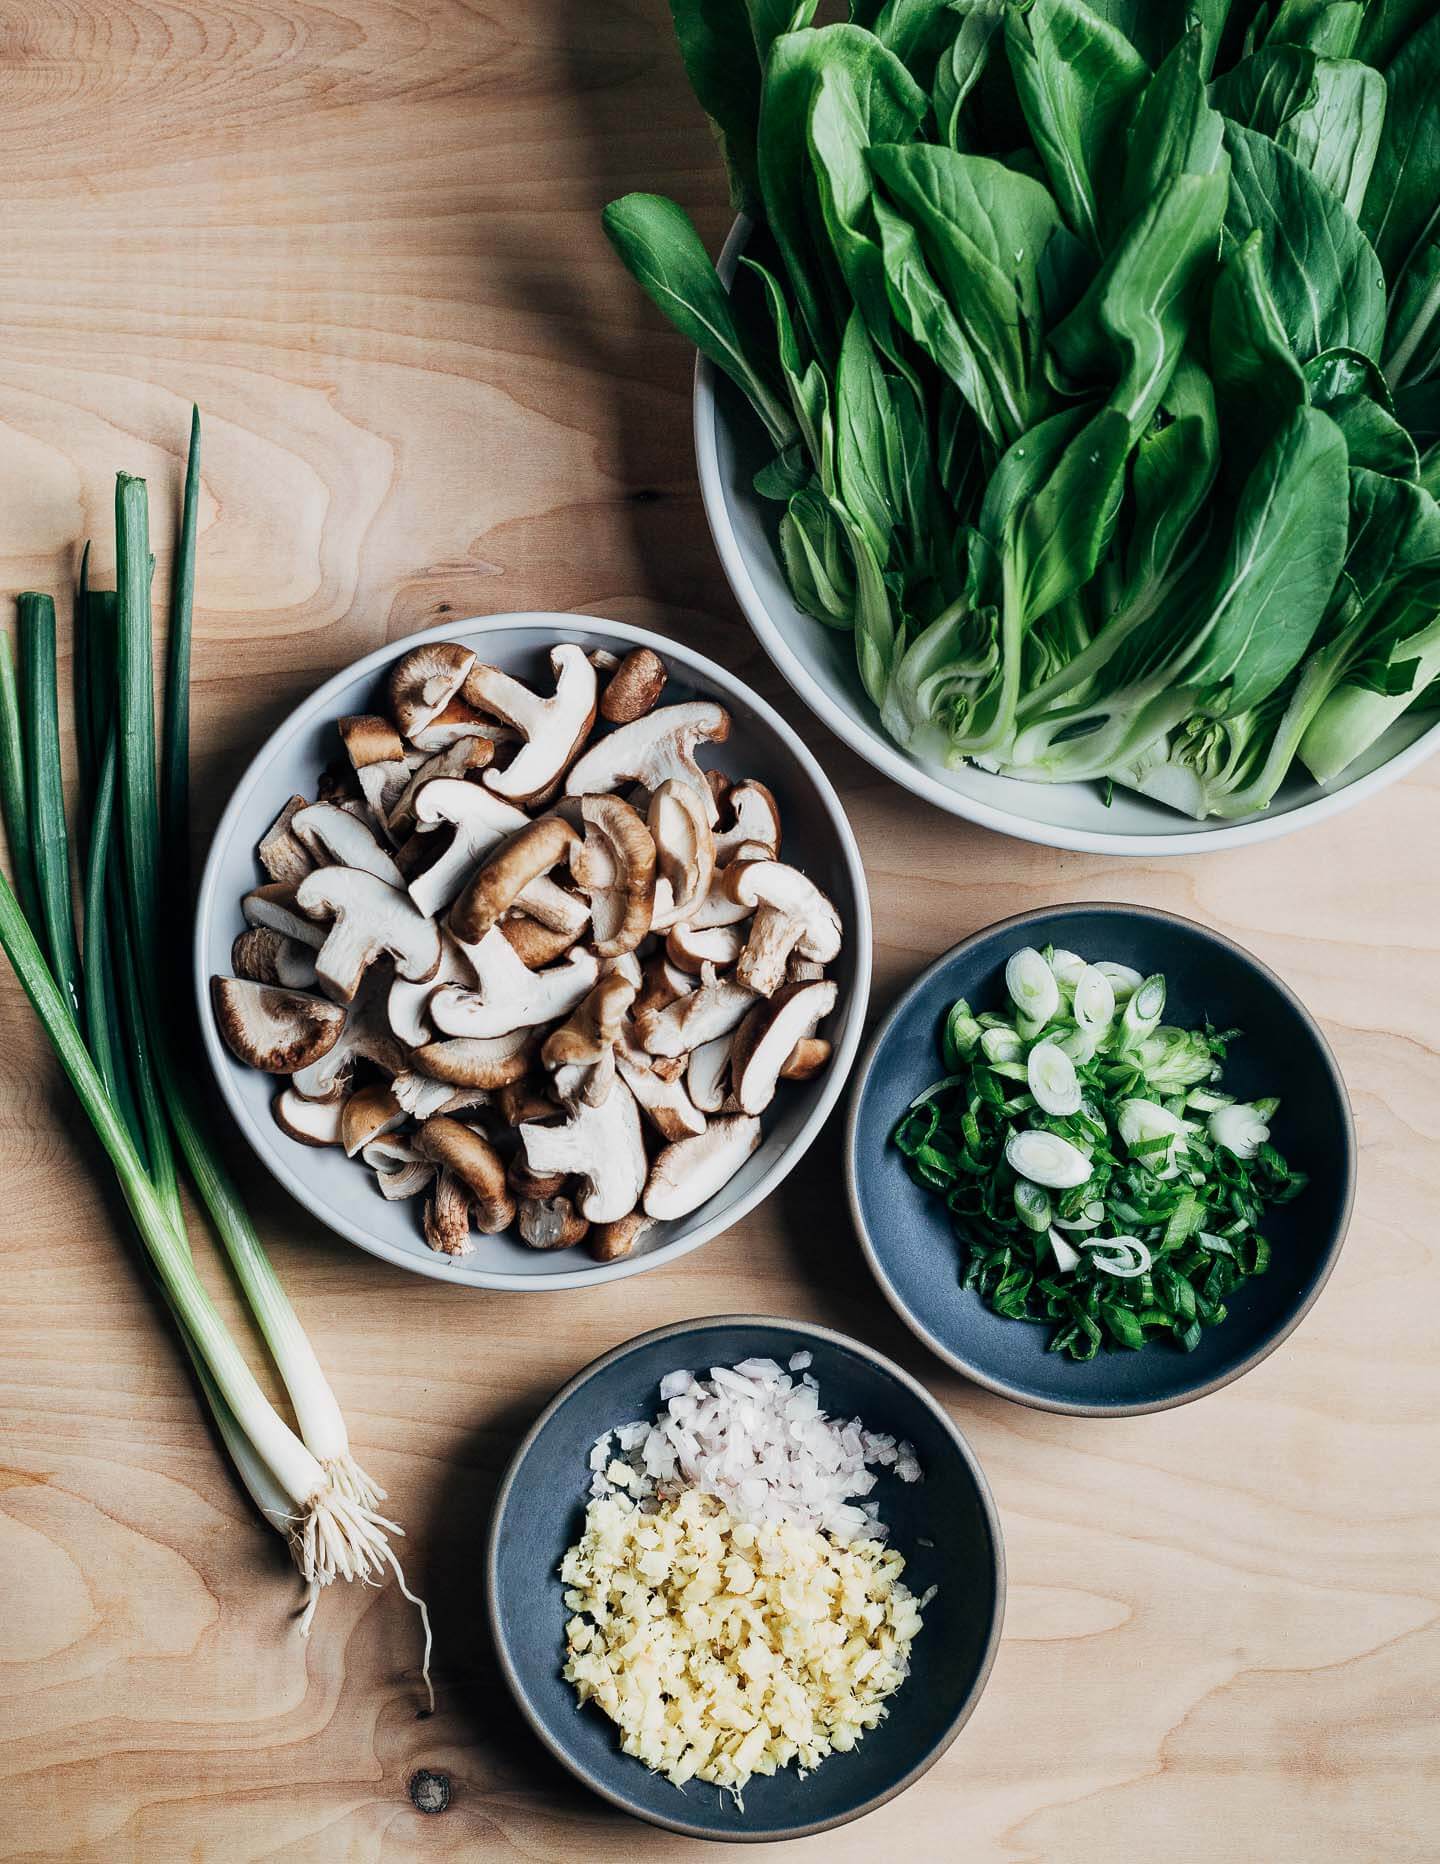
(817, 837)
(819, 662)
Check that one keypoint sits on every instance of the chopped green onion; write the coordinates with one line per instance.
(1099, 1200)
(1240, 1129)
(1143, 1011)
(962, 1034)
(1053, 1080)
(1125, 1255)
(1046, 1159)
(1094, 1001)
(1032, 986)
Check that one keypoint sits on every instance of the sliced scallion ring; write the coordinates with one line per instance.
(1124, 1255)
(1046, 1159)
(1032, 986)
(1053, 1080)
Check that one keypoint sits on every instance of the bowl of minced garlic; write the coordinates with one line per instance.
(775, 1600)
(724, 1648)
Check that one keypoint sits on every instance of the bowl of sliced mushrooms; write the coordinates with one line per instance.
(532, 951)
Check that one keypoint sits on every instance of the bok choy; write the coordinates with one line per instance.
(1098, 347)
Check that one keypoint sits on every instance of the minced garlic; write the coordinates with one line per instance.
(723, 1649)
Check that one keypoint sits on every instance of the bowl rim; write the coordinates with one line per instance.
(868, 741)
(829, 1336)
(557, 625)
(1004, 1388)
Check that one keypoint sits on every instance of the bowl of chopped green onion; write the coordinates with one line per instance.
(1101, 1159)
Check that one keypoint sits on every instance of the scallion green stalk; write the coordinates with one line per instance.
(176, 773)
(312, 1489)
(12, 787)
(49, 840)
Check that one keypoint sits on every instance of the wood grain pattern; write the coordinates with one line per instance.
(363, 234)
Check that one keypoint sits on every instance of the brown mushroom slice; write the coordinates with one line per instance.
(274, 908)
(525, 1099)
(553, 728)
(754, 825)
(634, 688)
(553, 906)
(602, 1145)
(366, 1036)
(705, 1073)
(282, 854)
(685, 1175)
(419, 1096)
(459, 762)
(690, 951)
(310, 1122)
(338, 838)
(408, 1004)
(610, 1242)
(446, 1222)
(377, 755)
(809, 1055)
(533, 944)
(791, 915)
(366, 1115)
(717, 908)
(423, 681)
(551, 1223)
(614, 867)
(274, 1030)
(507, 996)
(665, 1102)
(716, 1008)
(580, 1053)
(684, 851)
(768, 1035)
(467, 1061)
(399, 1170)
(457, 722)
(526, 1183)
(480, 823)
(526, 856)
(269, 957)
(368, 920)
(467, 1156)
(662, 983)
(657, 747)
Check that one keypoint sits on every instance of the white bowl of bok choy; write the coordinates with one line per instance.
(1093, 503)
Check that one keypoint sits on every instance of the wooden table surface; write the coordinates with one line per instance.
(364, 235)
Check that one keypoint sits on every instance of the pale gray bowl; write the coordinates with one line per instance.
(817, 837)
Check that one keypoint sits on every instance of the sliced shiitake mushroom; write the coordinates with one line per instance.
(551, 1223)
(277, 1031)
(610, 1242)
(634, 688)
(691, 1171)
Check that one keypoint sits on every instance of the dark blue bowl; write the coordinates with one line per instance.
(945, 1526)
(906, 1232)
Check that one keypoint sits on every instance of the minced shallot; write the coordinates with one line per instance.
(755, 1437)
